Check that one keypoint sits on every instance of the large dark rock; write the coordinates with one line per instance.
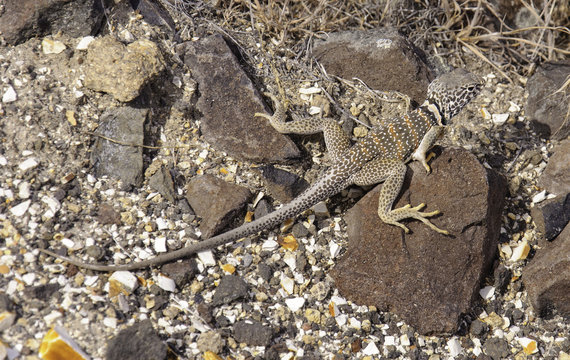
(227, 104)
(546, 107)
(24, 19)
(216, 201)
(547, 277)
(426, 278)
(382, 58)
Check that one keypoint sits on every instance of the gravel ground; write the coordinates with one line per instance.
(253, 300)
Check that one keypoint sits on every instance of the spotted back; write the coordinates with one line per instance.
(450, 92)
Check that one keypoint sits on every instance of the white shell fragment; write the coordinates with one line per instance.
(295, 304)
(314, 110)
(310, 90)
(287, 284)
(520, 252)
(166, 283)
(514, 107)
(50, 46)
(9, 95)
(28, 164)
(126, 280)
(487, 292)
(21, 208)
(270, 245)
(541, 196)
(500, 119)
(371, 349)
(454, 347)
(160, 244)
(84, 43)
(334, 249)
(207, 258)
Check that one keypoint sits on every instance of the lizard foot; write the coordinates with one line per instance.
(408, 211)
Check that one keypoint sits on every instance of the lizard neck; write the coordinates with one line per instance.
(432, 108)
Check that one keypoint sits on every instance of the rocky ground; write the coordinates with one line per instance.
(142, 138)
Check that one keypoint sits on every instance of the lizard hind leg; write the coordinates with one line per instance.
(388, 194)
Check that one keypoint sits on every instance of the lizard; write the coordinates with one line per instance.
(380, 156)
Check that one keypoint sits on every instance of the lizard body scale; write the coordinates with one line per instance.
(381, 156)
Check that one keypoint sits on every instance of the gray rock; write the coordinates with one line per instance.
(139, 341)
(282, 185)
(265, 271)
(502, 278)
(382, 58)
(556, 176)
(6, 304)
(24, 19)
(263, 208)
(478, 328)
(161, 181)
(121, 70)
(252, 332)
(547, 277)
(551, 216)
(231, 288)
(428, 279)
(547, 110)
(41, 292)
(228, 100)
(496, 348)
(216, 201)
(121, 162)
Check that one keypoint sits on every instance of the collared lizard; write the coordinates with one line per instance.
(380, 156)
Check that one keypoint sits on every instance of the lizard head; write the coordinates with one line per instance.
(450, 92)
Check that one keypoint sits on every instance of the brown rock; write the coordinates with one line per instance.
(228, 100)
(547, 277)
(281, 184)
(382, 58)
(216, 201)
(545, 108)
(120, 70)
(426, 278)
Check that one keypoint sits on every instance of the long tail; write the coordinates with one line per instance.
(331, 183)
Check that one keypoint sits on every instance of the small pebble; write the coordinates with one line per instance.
(84, 43)
(50, 46)
(28, 164)
(487, 292)
(371, 349)
(9, 95)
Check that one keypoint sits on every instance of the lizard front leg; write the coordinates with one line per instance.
(392, 172)
(336, 140)
(427, 142)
